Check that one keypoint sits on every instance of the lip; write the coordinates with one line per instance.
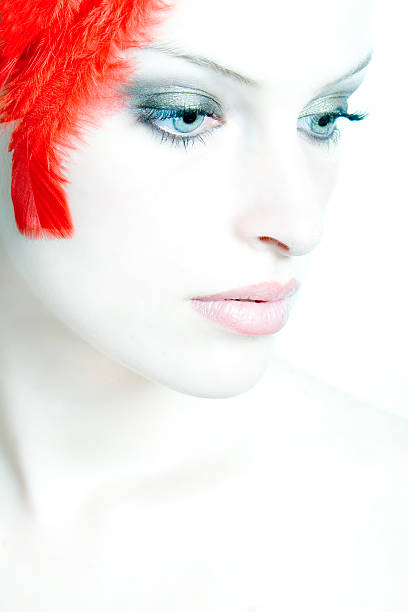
(264, 292)
(264, 308)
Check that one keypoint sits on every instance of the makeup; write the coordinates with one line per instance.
(158, 95)
(253, 311)
(248, 318)
(325, 104)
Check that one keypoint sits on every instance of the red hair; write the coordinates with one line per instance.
(59, 61)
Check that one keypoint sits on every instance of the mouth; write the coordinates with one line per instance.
(256, 310)
(259, 293)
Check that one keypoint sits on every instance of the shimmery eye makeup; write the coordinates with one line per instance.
(179, 115)
(155, 96)
(318, 119)
(325, 104)
(183, 116)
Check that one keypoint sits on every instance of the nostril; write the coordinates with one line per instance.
(274, 241)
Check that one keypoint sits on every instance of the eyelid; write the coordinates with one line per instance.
(173, 96)
(327, 104)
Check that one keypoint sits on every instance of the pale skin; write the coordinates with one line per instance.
(151, 460)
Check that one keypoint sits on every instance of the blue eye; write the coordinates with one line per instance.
(188, 122)
(322, 127)
(181, 125)
(184, 118)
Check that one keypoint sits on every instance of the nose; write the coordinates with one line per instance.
(293, 246)
(283, 202)
(276, 243)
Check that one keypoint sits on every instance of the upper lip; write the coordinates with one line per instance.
(265, 292)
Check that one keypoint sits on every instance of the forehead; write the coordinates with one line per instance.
(316, 40)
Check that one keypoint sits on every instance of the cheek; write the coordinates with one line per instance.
(124, 181)
(132, 197)
(139, 224)
(322, 166)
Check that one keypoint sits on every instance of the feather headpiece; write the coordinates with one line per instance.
(59, 60)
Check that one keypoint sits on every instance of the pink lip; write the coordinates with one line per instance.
(265, 292)
(264, 309)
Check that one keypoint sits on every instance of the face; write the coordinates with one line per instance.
(171, 196)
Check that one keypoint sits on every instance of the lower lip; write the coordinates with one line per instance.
(249, 318)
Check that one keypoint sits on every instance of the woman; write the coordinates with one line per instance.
(147, 462)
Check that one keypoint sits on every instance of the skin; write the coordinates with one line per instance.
(126, 414)
(94, 282)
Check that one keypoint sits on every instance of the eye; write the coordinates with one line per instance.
(190, 121)
(180, 124)
(178, 115)
(322, 127)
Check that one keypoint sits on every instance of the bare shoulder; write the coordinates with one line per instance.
(324, 406)
(337, 495)
(338, 448)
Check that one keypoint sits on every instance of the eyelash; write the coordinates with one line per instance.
(334, 136)
(149, 115)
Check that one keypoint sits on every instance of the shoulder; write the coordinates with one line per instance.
(335, 482)
(307, 395)
(323, 424)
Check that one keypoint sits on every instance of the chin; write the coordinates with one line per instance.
(217, 388)
(224, 373)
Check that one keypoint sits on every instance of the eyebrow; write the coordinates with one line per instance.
(206, 63)
(236, 76)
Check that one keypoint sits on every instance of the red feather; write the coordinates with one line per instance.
(42, 209)
(60, 67)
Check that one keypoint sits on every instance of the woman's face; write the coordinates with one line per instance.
(168, 207)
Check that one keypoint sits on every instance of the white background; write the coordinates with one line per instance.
(349, 326)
